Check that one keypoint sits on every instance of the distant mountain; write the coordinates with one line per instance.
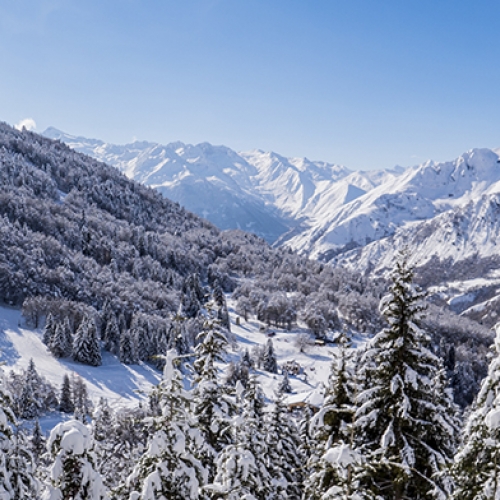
(445, 213)
(264, 193)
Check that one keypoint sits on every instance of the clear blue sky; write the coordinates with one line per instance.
(368, 84)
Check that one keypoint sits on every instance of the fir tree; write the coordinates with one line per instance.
(285, 386)
(169, 469)
(58, 343)
(270, 363)
(49, 329)
(81, 401)
(284, 460)
(29, 406)
(112, 335)
(38, 442)
(477, 464)
(16, 463)
(86, 345)
(402, 425)
(72, 474)
(242, 470)
(66, 400)
(211, 406)
(331, 428)
(68, 335)
(128, 351)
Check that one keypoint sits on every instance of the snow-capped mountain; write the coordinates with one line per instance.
(446, 213)
(261, 192)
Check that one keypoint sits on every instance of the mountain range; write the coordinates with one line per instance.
(445, 214)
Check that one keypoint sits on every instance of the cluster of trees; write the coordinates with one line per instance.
(388, 429)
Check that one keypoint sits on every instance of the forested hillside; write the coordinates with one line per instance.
(99, 262)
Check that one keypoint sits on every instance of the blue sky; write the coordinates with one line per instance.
(368, 84)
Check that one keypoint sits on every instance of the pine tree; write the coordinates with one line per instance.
(270, 363)
(331, 428)
(112, 335)
(16, 463)
(38, 442)
(29, 405)
(241, 467)
(211, 406)
(401, 424)
(49, 329)
(285, 386)
(68, 335)
(128, 351)
(58, 343)
(81, 401)
(284, 460)
(86, 345)
(66, 400)
(477, 464)
(73, 475)
(169, 469)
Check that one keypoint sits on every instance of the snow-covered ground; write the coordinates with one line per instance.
(127, 385)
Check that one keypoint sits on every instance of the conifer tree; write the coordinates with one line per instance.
(331, 428)
(38, 442)
(86, 345)
(68, 342)
(128, 351)
(285, 386)
(49, 329)
(284, 460)
(241, 467)
(401, 424)
(270, 363)
(66, 400)
(168, 468)
(28, 404)
(212, 407)
(477, 464)
(16, 463)
(58, 343)
(73, 474)
(112, 335)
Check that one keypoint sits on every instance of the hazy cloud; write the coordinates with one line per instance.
(27, 123)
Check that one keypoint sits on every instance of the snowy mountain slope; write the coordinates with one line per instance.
(257, 191)
(122, 385)
(420, 193)
(127, 385)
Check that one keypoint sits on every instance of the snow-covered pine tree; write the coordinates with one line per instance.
(58, 342)
(220, 302)
(38, 442)
(72, 474)
(169, 469)
(81, 401)
(242, 471)
(331, 427)
(212, 408)
(49, 329)
(29, 405)
(16, 463)
(68, 334)
(402, 426)
(112, 335)
(476, 470)
(66, 400)
(128, 351)
(285, 386)
(284, 460)
(86, 345)
(270, 364)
